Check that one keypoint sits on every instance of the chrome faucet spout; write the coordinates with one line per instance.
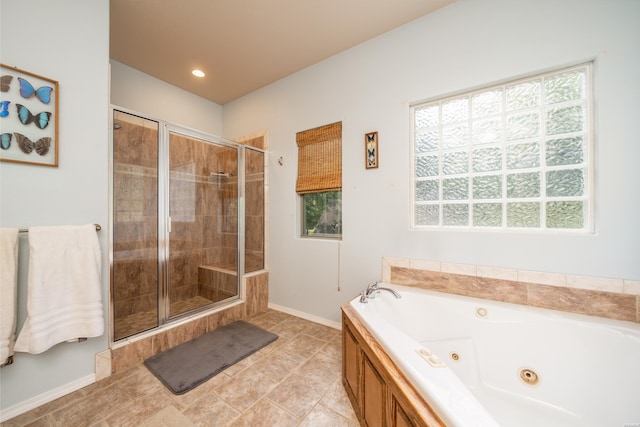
(373, 290)
(395, 294)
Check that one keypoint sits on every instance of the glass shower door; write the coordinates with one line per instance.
(203, 240)
(179, 207)
(134, 272)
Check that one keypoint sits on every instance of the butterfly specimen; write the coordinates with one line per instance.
(371, 150)
(371, 157)
(27, 91)
(27, 146)
(41, 119)
(5, 141)
(4, 108)
(5, 81)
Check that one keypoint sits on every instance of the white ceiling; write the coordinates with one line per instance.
(243, 45)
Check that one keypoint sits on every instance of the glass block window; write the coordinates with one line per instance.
(511, 156)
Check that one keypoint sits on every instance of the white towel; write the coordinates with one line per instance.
(8, 291)
(64, 296)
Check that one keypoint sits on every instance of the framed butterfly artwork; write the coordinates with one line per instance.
(28, 117)
(371, 150)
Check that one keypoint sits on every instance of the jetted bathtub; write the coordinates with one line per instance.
(485, 363)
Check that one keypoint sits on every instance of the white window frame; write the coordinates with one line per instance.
(587, 134)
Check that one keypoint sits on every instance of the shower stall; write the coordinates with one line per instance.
(187, 221)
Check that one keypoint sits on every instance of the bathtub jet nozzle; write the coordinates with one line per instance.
(529, 376)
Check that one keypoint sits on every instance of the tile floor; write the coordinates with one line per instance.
(295, 381)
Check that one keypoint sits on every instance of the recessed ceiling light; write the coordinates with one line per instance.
(198, 73)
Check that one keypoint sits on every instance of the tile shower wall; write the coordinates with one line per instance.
(254, 211)
(203, 208)
(602, 297)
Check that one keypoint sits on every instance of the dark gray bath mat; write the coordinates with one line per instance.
(188, 365)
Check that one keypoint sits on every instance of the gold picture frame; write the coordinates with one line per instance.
(371, 150)
(28, 118)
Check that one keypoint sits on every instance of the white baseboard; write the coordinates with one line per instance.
(306, 316)
(46, 397)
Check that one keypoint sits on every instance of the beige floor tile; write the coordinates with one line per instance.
(333, 346)
(322, 416)
(304, 345)
(168, 417)
(140, 409)
(31, 421)
(278, 364)
(245, 389)
(38, 416)
(294, 381)
(92, 409)
(322, 367)
(142, 382)
(298, 394)
(337, 399)
(269, 319)
(321, 332)
(265, 414)
(210, 410)
(290, 327)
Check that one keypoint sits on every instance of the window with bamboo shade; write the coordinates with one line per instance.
(319, 181)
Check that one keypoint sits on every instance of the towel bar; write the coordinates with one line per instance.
(26, 230)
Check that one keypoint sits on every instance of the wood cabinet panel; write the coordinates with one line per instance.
(374, 393)
(399, 417)
(351, 363)
(380, 394)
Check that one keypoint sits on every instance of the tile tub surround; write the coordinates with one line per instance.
(594, 296)
(294, 381)
(134, 351)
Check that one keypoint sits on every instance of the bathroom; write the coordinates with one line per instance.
(372, 87)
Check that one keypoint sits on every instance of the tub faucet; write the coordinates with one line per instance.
(373, 290)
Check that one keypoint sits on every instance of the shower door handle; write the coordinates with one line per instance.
(169, 224)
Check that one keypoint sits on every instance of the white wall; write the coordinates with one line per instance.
(137, 91)
(465, 45)
(67, 41)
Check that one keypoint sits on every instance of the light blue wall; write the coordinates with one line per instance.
(468, 44)
(67, 41)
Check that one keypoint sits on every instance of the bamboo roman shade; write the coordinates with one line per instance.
(320, 159)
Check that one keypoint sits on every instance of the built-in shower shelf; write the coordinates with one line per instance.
(216, 282)
(220, 269)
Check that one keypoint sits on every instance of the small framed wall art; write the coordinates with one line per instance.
(28, 118)
(371, 150)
